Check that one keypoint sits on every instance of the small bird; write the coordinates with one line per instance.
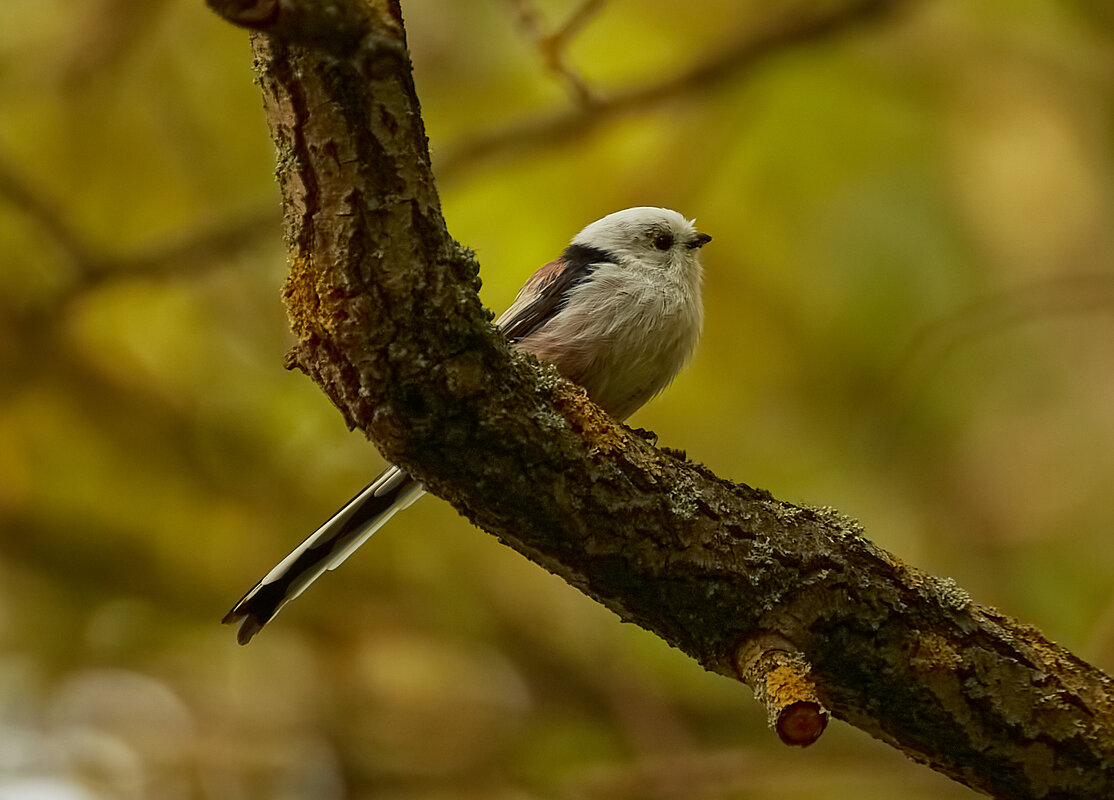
(620, 313)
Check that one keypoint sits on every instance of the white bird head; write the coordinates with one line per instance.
(655, 237)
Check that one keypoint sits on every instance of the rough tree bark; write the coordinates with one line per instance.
(388, 322)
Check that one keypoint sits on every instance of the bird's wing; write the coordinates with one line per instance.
(547, 290)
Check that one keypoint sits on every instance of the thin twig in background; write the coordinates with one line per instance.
(45, 213)
(786, 31)
(930, 347)
(203, 247)
(552, 45)
(212, 245)
(107, 32)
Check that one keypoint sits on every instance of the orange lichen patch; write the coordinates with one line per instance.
(605, 435)
(932, 652)
(300, 295)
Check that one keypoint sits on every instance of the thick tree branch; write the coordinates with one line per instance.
(388, 323)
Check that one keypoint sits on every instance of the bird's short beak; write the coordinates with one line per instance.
(699, 240)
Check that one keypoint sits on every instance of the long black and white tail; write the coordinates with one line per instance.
(326, 549)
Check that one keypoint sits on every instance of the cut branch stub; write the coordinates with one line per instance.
(252, 14)
(781, 679)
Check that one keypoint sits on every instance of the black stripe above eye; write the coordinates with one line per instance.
(581, 257)
(582, 261)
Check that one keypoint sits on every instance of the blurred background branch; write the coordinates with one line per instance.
(44, 213)
(107, 31)
(204, 247)
(925, 354)
(782, 30)
(552, 45)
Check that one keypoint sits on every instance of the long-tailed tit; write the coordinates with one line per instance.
(618, 313)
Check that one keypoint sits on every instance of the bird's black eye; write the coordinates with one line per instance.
(663, 241)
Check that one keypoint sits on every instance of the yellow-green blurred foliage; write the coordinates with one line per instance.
(910, 317)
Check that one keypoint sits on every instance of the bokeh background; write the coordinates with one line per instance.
(910, 318)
